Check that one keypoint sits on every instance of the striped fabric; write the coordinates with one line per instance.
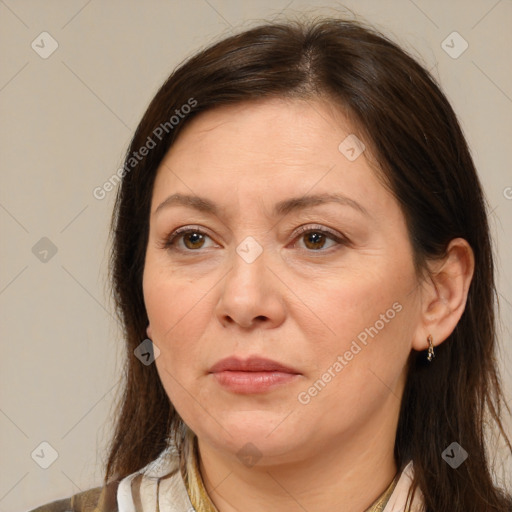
(173, 484)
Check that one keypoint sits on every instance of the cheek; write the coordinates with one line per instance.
(170, 300)
(178, 311)
(346, 306)
(367, 319)
(361, 370)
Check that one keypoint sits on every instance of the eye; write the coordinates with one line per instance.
(193, 239)
(315, 237)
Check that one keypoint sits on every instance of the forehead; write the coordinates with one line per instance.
(273, 148)
(276, 128)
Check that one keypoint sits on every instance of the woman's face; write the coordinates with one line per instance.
(272, 267)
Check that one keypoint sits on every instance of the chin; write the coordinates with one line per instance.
(256, 434)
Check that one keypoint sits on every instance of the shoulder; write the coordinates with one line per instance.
(159, 484)
(98, 499)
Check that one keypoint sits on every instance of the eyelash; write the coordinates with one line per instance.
(169, 242)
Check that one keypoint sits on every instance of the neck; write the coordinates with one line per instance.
(348, 474)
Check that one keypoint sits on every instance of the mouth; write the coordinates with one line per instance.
(253, 375)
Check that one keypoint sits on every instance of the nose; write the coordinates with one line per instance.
(251, 293)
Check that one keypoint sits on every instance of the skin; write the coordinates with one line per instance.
(300, 303)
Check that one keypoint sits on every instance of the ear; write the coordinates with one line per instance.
(444, 294)
(148, 332)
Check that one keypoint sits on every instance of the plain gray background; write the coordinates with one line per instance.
(66, 122)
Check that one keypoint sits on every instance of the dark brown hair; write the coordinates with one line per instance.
(414, 135)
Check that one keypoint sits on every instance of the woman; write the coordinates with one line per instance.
(302, 263)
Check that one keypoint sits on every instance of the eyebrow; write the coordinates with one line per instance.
(280, 209)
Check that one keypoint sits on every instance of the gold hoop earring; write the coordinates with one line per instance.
(431, 353)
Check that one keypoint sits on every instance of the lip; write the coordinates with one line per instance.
(252, 364)
(252, 375)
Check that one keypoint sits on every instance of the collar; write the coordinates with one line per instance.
(173, 483)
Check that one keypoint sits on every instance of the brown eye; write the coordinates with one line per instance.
(193, 240)
(315, 239)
